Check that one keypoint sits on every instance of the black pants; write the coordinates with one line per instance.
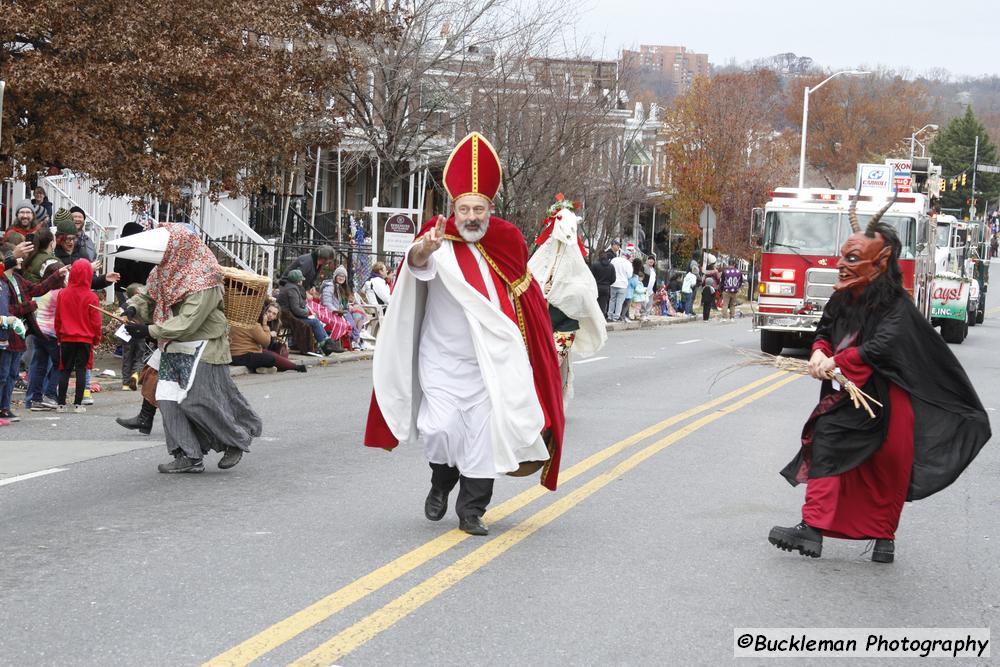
(473, 494)
(133, 357)
(266, 359)
(73, 357)
(603, 297)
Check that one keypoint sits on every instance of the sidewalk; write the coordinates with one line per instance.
(654, 321)
(110, 362)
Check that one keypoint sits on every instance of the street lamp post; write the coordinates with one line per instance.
(913, 139)
(805, 116)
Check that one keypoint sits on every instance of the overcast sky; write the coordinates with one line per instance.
(918, 35)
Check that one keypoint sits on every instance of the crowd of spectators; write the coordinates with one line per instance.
(49, 325)
(630, 289)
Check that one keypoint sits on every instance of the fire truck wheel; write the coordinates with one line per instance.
(772, 342)
(953, 331)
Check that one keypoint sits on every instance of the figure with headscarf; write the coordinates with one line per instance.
(926, 422)
(578, 324)
(182, 308)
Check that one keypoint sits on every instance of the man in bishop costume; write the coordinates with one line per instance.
(465, 362)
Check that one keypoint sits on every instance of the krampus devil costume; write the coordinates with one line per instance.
(859, 470)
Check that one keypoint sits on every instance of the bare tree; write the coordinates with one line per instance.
(404, 101)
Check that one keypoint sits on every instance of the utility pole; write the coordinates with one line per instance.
(975, 164)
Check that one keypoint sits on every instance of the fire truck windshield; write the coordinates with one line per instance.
(807, 233)
(905, 226)
(824, 232)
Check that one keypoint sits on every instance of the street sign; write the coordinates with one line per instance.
(988, 168)
(707, 218)
(399, 233)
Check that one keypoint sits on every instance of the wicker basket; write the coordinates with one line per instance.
(244, 294)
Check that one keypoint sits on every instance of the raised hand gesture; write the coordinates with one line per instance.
(422, 250)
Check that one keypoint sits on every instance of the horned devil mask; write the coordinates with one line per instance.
(864, 256)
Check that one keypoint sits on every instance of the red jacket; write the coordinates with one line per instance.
(76, 321)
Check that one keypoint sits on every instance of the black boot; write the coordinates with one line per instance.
(230, 458)
(804, 538)
(473, 525)
(436, 504)
(143, 422)
(182, 463)
(884, 551)
(331, 346)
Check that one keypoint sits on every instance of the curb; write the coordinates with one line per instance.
(114, 384)
(311, 362)
(656, 321)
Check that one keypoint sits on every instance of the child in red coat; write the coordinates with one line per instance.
(78, 328)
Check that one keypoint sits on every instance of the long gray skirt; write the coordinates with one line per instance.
(213, 416)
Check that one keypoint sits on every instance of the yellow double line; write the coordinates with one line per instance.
(368, 627)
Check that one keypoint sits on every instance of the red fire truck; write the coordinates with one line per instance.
(800, 232)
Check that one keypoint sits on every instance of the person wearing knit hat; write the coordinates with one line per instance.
(68, 250)
(24, 221)
(338, 297)
(64, 223)
(295, 315)
(84, 244)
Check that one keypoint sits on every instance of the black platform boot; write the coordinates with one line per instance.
(884, 551)
(804, 538)
(143, 422)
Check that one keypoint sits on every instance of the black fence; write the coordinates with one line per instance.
(357, 260)
(267, 217)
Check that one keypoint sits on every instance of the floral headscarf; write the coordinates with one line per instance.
(188, 266)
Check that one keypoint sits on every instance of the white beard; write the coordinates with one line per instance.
(473, 236)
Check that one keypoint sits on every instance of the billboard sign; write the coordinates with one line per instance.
(874, 177)
(902, 175)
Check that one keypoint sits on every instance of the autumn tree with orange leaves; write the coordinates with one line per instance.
(856, 119)
(149, 97)
(725, 151)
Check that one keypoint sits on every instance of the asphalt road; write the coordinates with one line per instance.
(314, 550)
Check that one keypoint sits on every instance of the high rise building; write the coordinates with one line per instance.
(665, 71)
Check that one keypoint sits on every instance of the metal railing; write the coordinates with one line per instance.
(220, 226)
(223, 227)
(104, 215)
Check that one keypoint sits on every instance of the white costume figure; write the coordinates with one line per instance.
(569, 287)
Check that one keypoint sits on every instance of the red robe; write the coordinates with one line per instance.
(506, 252)
(866, 501)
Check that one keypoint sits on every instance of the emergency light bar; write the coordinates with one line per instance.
(829, 196)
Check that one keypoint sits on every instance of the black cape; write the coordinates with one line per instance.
(950, 425)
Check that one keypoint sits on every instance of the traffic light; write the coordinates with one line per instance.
(954, 184)
(963, 180)
(944, 185)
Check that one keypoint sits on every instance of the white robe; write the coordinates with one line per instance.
(451, 369)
